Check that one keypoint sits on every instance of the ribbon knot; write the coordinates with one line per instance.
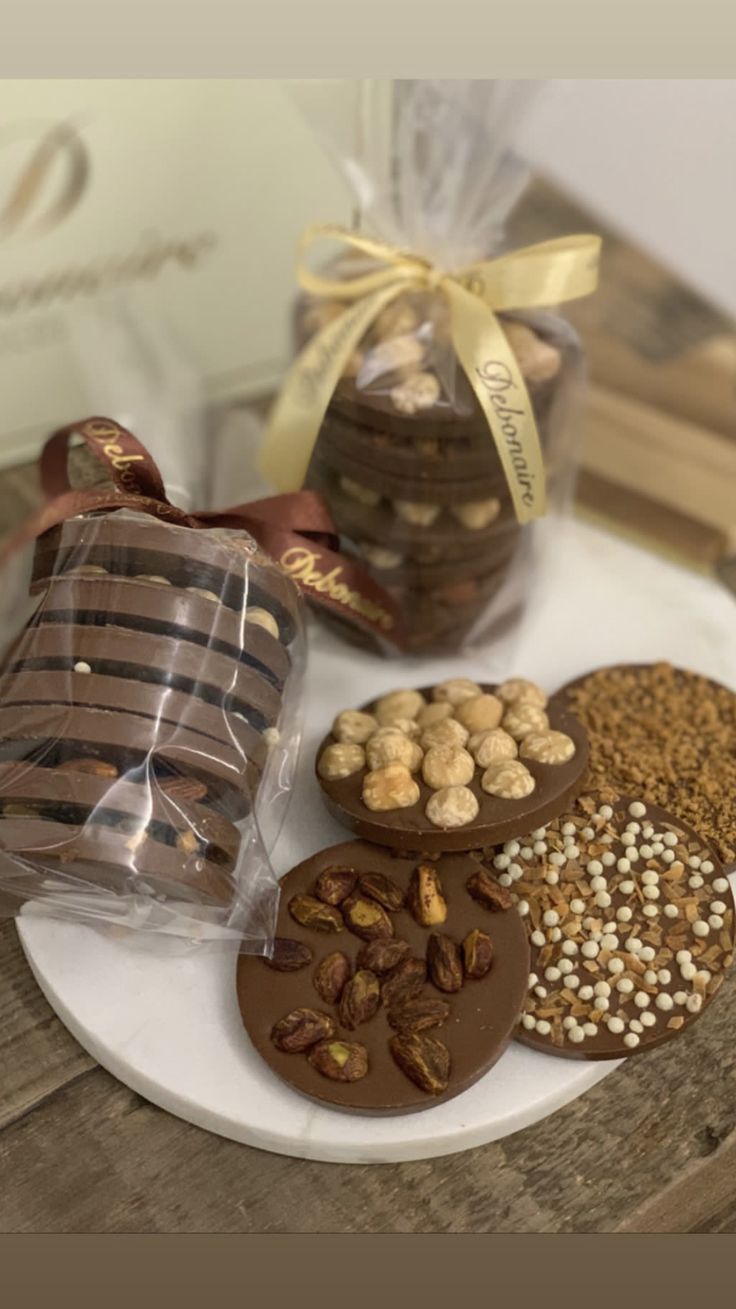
(545, 274)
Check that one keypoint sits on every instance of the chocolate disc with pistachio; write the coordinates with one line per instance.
(408, 985)
(631, 925)
(455, 766)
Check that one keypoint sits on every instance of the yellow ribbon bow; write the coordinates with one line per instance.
(539, 275)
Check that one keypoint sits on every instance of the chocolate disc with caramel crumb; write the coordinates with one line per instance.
(404, 986)
(630, 919)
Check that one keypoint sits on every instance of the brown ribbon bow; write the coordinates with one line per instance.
(296, 528)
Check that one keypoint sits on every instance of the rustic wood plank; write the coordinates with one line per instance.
(702, 1199)
(37, 1054)
(601, 1164)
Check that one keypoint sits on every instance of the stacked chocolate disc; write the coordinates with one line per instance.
(414, 479)
(138, 706)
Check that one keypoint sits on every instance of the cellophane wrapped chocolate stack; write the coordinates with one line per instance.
(404, 455)
(148, 722)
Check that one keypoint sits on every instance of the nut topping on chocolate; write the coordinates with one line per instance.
(405, 982)
(481, 713)
(424, 1059)
(312, 913)
(392, 787)
(341, 1061)
(443, 963)
(455, 691)
(516, 689)
(425, 897)
(418, 1015)
(477, 954)
(331, 975)
(547, 747)
(383, 954)
(389, 745)
(360, 999)
(289, 956)
(452, 806)
(523, 718)
(341, 760)
(509, 781)
(296, 1031)
(487, 892)
(353, 727)
(366, 918)
(335, 885)
(377, 886)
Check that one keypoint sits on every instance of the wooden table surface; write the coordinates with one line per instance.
(652, 1148)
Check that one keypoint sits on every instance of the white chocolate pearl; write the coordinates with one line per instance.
(81, 666)
(633, 853)
(572, 851)
(703, 976)
(504, 879)
(641, 1000)
(605, 811)
(511, 848)
(608, 858)
(631, 1040)
(623, 914)
(539, 833)
(695, 882)
(694, 861)
(715, 921)
(515, 871)
(588, 833)
(694, 1003)
(603, 1003)
(637, 809)
(668, 856)
(649, 878)
(590, 1029)
(552, 877)
(634, 944)
(720, 884)
(683, 957)
(526, 852)
(565, 966)
(576, 1035)
(609, 942)
(601, 988)
(541, 991)
(687, 972)
(594, 867)
(556, 858)
(625, 985)
(646, 852)
(628, 838)
(633, 827)
(648, 1018)
(636, 1026)
(701, 929)
(586, 993)
(598, 884)
(650, 977)
(569, 829)
(523, 907)
(528, 1021)
(555, 934)
(657, 847)
(623, 865)
(651, 892)
(615, 1025)
(664, 976)
(550, 918)
(543, 1027)
(577, 906)
(664, 1001)
(539, 847)
(533, 979)
(669, 838)
(680, 997)
(552, 974)
(717, 907)
(573, 982)
(589, 949)
(570, 947)
(615, 965)
(706, 866)
(650, 911)
(602, 899)
(647, 953)
(502, 861)
(671, 911)
(538, 938)
(569, 1022)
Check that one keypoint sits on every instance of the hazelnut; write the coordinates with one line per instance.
(509, 780)
(548, 747)
(419, 515)
(538, 360)
(357, 491)
(433, 713)
(480, 713)
(354, 727)
(262, 618)
(380, 556)
(447, 765)
(392, 787)
(447, 732)
(476, 514)
(455, 691)
(398, 704)
(320, 313)
(396, 319)
(341, 759)
(453, 806)
(408, 726)
(390, 746)
(492, 747)
(419, 392)
(518, 688)
(523, 718)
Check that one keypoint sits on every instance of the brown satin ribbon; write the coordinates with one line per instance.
(296, 528)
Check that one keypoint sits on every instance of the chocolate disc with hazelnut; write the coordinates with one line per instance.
(396, 1022)
(455, 766)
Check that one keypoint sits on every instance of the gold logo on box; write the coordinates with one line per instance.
(49, 184)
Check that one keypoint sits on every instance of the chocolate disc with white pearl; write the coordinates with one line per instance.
(394, 984)
(630, 918)
(433, 802)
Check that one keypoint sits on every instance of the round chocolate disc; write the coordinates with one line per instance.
(474, 1022)
(630, 919)
(498, 818)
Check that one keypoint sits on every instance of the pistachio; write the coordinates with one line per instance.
(425, 897)
(360, 999)
(383, 954)
(331, 975)
(315, 915)
(341, 1061)
(335, 884)
(443, 962)
(477, 953)
(377, 886)
(288, 955)
(301, 1028)
(487, 891)
(366, 918)
(405, 982)
(418, 1014)
(425, 1060)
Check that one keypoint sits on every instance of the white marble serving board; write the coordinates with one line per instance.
(166, 1023)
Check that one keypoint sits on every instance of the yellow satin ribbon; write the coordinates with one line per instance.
(546, 274)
